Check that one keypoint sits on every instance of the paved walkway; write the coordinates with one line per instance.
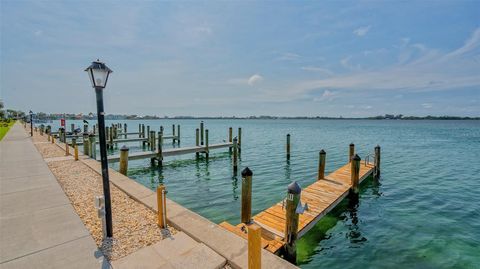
(38, 226)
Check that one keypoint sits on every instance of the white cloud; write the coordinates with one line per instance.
(432, 70)
(427, 105)
(362, 30)
(345, 62)
(38, 33)
(327, 95)
(376, 51)
(317, 69)
(288, 56)
(470, 44)
(252, 80)
(255, 79)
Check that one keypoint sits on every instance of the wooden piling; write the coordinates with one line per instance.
(143, 130)
(124, 160)
(201, 133)
(74, 143)
(239, 140)
(207, 152)
(60, 134)
(107, 134)
(246, 213)
(67, 149)
(178, 134)
(93, 146)
(75, 150)
(159, 149)
(152, 140)
(376, 172)
(173, 133)
(140, 130)
(230, 137)
(72, 127)
(85, 128)
(235, 156)
(161, 205)
(351, 151)
(148, 134)
(125, 129)
(291, 222)
(355, 171)
(197, 140)
(48, 137)
(321, 164)
(85, 144)
(111, 138)
(254, 246)
(288, 146)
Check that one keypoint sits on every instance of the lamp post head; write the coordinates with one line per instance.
(98, 73)
(30, 112)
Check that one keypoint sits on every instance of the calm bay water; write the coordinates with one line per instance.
(424, 212)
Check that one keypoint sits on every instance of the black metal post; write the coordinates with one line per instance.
(103, 156)
(31, 124)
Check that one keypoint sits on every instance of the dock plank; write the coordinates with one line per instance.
(321, 196)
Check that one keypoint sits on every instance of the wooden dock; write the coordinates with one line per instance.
(126, 140)
(321, 196)
(170, 152)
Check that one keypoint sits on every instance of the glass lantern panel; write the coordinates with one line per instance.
(100, 77)
(90, 76)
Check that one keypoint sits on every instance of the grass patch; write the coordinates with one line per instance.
(4, 127)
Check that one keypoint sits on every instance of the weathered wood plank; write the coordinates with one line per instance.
(321, 196)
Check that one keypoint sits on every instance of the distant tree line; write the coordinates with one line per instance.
(402, 117)
(10, 113)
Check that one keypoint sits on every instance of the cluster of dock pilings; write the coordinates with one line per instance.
(152, 142)
(201, 141)
(116, 133)
(292, 203)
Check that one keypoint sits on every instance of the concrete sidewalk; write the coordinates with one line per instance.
(38, 226)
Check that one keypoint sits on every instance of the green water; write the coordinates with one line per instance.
(424, 212)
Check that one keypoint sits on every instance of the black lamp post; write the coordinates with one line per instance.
(31, 123)
(98, 73)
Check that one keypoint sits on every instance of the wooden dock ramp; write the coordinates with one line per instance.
(321, 196)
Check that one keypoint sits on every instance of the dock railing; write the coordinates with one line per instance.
(369, 159)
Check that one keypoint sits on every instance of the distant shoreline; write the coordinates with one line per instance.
(125, 117)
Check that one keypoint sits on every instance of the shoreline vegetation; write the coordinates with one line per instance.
(43, 116)
(5, 126)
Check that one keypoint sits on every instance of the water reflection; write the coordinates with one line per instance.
(309, 244)
(346, 212)
(354, 233)
(288, 170)
(235, 188)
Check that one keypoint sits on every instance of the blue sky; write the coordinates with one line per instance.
(358, 58)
